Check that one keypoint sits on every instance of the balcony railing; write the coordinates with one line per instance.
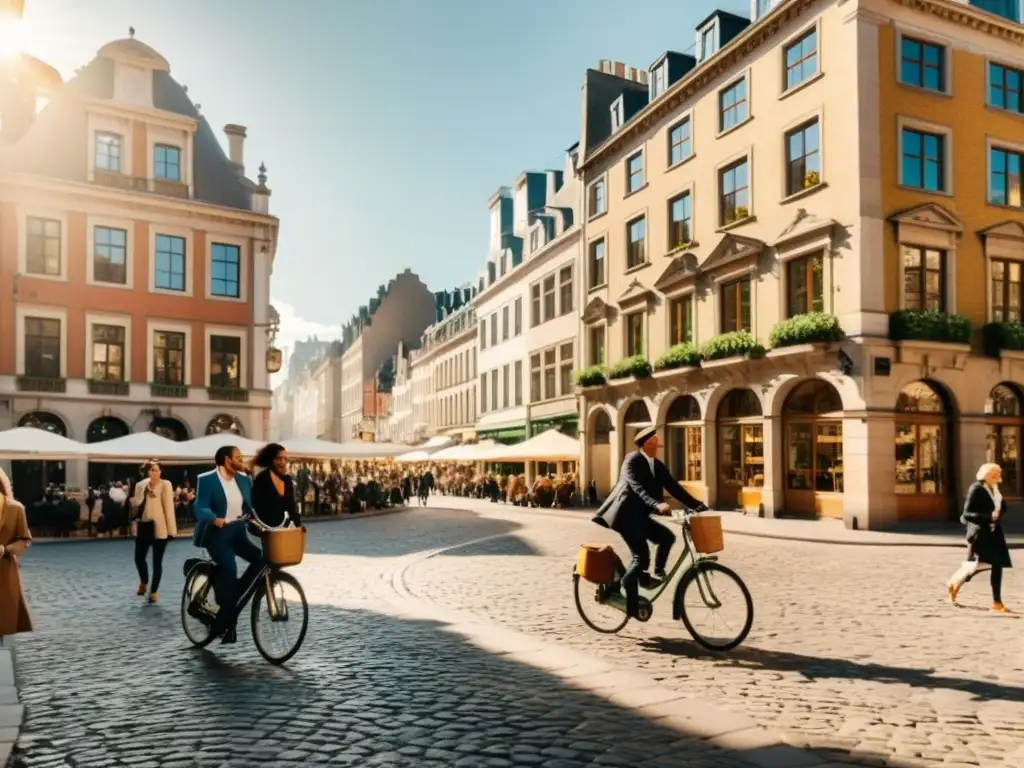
(228, 394)
(168, 390)
(108, 388)
(41, 384)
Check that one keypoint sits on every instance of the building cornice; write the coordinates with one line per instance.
(748, 41)
(968, 15)
(172, 119)
(445, 346)
(528, 266)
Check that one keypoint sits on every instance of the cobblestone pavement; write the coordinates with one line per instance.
(854, 649)
(109, 681)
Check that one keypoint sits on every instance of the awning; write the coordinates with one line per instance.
(547, 446)
(468, 452)
(204, 448)
(39, 444)
(415, 456)
(139, 446)
(312, 448)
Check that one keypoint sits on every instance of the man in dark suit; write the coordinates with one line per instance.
(642, 483)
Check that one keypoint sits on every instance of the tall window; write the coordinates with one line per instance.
(225, 265)
(518, 316)
(167, 163)
(733, 183)
(924, 278)
(803, 158)
(483, 393)
(921, 432)
(681, 320)
(708, 42)
(168, 357)
(504, 323)
(225, 361)
(923, 64)
(596, 346)
(536, 392)
(680, 220)
(108, 353)
(804, 285)
(42, 246)
(549, 298)
(494, 389)
(170, 263)
(635, 172)
(566, 360)
(1006, 88)
(42, 347)
(518, 384)
(550, 373)
(483, 334)
(597, 202)
(733, 106)
(1005, 181)
(110, 255)
(924, 160)
(658, 81)
(801, 59)
(684, 435)
(635, 334)
(108, 152)
(535, 305)
(1007, 296)
(494, 329)
(505, 399)
(565, 303)
(736, 305)
(636, 233)
(596, 266)
(680, 145)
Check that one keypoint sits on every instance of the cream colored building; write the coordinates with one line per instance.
(828, 157)
(444, 388)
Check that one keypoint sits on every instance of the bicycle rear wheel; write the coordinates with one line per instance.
(601, 612)
(712, 591)
(280, 618)
(196, 616)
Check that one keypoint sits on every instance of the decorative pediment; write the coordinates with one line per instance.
(1007, 230)
(636, 293)
(804, 226)
(930, 215)
(732, 248)
(596, 311)
(680, 271)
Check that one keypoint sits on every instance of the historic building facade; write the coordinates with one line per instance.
(825, 161)
(135, 262)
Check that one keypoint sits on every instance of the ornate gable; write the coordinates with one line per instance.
(681, 270)
(805, 225)
(636, 293)
(931, 215)
(1007, 230)
(595, 311)
(732, 248)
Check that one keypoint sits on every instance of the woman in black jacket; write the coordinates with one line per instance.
(985, 540)
(273, 495)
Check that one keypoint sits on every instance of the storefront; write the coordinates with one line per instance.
(923, 456)
(740, 450)
(684, 444)
(813, 424)
(1004, 419)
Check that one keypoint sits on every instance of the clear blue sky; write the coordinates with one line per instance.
(385, 124)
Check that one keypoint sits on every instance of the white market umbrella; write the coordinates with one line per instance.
(415, 456)
(138, 446)
(436, 442)
(312, 448)
(547, 446)
(470, 452)
(39, 444)
(204, 448)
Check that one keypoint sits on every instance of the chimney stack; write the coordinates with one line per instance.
(236, 144)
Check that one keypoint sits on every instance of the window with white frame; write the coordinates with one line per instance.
(225, 362)
(923, 161)
(680, 144)
(636, 242)
(107, 352)
(733, 105)
(596, 263)
(658, 80)
(1005, 169)
(225, 270)
(166, 162)
(42, 347)
(734, 192)
(803, 157)
(43, 246)
(110, 255)
(107, 152)
(597, 202)
(170, 263)
(634, 172)
(169, 358)
(1006, 88)
(801, 57)
(565, 290)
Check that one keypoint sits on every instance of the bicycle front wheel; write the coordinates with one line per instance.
(715, 606)
(279, 617)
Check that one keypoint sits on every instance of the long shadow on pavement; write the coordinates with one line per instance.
(366, 689)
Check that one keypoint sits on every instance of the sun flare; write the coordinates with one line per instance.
(12, 36)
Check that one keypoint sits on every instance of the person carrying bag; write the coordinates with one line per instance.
(157, 524)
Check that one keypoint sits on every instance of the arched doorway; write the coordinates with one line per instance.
(637, 417)
(30, 478)
(740, 450)
(224, 424)
(684, 443)
(100, 430)
(169, 427)
(1004, 419)
(813, 418)
(600, 439)
(923, 455)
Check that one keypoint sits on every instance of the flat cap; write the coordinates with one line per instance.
(644, 435)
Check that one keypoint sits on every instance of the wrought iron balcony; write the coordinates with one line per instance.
(108, 388)
(168, 390)
(228, 394)
(41, 384)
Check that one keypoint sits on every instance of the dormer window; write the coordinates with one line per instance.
(108, 152)
(534, 240)
(658, 80)
(708, 41)
(762, 7)
(167, 163)
(617, 114)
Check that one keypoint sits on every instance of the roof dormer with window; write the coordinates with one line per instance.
(616, 111)
(717, 31)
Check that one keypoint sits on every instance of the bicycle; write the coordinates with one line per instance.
(701, 573)
(263, 583)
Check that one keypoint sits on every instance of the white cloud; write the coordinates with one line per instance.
(295, 328)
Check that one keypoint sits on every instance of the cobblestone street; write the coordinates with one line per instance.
(854, 652)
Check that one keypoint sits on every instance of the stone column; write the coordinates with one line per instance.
(869, 498)
(969, 445)
(773, 495)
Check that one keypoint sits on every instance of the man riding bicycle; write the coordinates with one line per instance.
(643, 480)
(223, 501)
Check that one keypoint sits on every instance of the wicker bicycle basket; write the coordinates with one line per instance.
(284, 546)
(706, 533)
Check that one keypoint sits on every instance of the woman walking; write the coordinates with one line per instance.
(14, 540)
(154, 504)
(985, 540)
(273, 494)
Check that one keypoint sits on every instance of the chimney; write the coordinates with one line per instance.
(236, 144)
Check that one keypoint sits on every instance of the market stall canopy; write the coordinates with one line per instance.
(415, 456)
(466, 452)
(547, 446)
(437, 442)
(204, 448)
(139, 446)
(39, 444)
(312, 448)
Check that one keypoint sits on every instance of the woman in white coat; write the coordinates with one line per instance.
(154, 504)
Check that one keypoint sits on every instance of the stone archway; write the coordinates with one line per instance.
(30, 479)
(599, 449)
(225, 424)
(99, 431)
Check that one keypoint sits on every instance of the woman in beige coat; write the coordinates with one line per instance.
(14, 540)
(154, 504)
